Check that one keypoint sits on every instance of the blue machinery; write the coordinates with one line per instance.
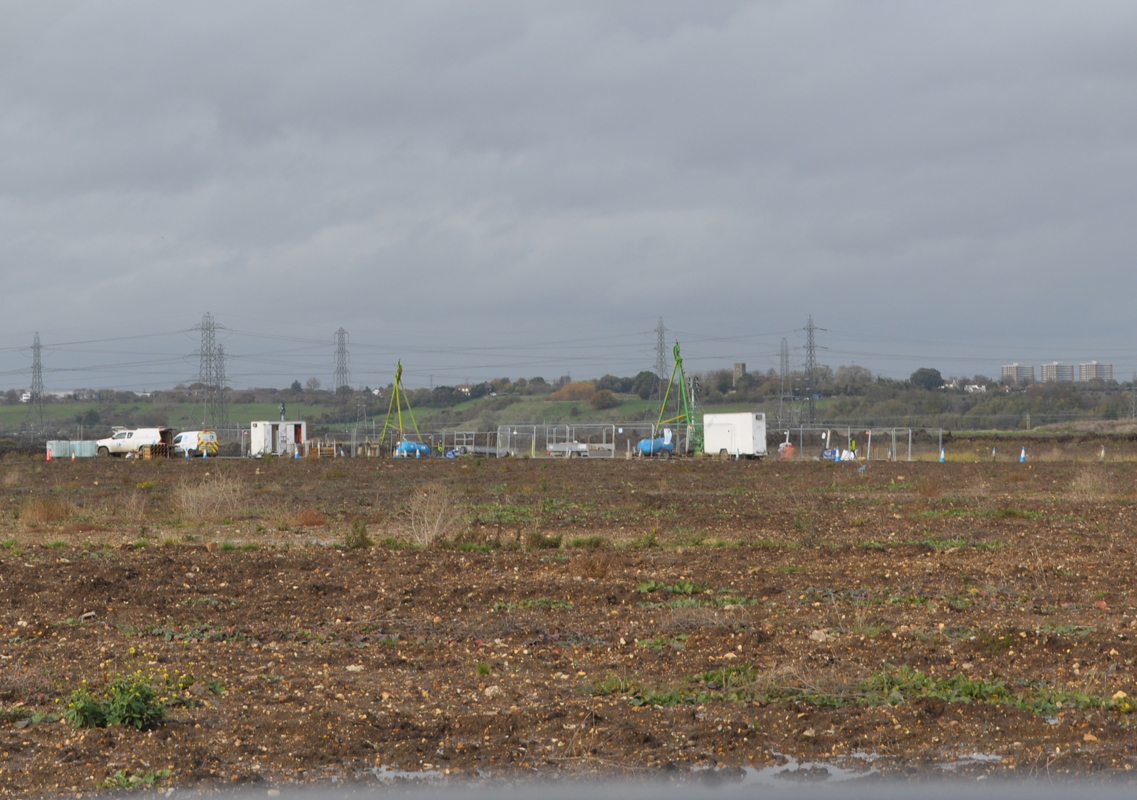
(691, 439)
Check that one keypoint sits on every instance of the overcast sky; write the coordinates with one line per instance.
(503, 189)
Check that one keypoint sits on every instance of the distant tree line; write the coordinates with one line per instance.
(847, 392)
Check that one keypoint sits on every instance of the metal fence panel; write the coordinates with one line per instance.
(566, 440)
(63, 448)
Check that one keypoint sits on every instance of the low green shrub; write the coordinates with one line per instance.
(84, 710)
(131, 701)
(587, 542)
(540, 541)
(125, 779)
(356, 537)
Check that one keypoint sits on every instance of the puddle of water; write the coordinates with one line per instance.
(794, 772)
(787, 774)
(387, 774)
(968, 758)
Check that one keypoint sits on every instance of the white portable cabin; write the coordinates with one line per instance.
(734, 435)
(277, 438)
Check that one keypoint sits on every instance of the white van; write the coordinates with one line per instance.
(196, 443)
(126, 441)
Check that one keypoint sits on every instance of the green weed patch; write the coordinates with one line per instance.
(815, 594)
(1068, 630)
(498, 514)
(1002, 513)
(587, 542)
(1018, 513)
(679, 587)
(540, 541)
(196, 633)
(705, 601)
(644, 542)
(533, 602)
(125, 779)
(957, 543)
(661, 643)
(890, 686)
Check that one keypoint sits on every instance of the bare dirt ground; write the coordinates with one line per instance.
(565, 618)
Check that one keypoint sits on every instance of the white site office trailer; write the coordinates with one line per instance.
(277, 438)
(734, 435)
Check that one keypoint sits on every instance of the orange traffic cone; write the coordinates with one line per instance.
(72, 455)
(49, 454)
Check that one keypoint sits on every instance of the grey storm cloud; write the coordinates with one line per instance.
(524, 188)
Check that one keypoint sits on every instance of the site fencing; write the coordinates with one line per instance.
(364, 443)
(868, 444)
(587, 440)
(598, 440)
(619, 440)
(1004, 421)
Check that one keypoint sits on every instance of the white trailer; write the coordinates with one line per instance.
(737, 435)
(277, 438)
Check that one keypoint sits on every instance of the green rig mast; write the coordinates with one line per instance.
(395, 408)
(684, 407)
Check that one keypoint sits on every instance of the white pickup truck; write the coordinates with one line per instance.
(128, 441)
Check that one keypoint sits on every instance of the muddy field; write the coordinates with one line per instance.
(304, 621)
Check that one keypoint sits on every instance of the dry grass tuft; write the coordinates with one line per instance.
(432, 514)
(1092, 483)
(84, 527)
(865, 625)
(133, 508)
(1093, 681)
(41, 510)
(279, 518)
(842, 680)
(309, 518)
(218, 497)
(929, 487)
(979, 487)
(18, 685)
(596, 564)
(11, 478)
(689, 620)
